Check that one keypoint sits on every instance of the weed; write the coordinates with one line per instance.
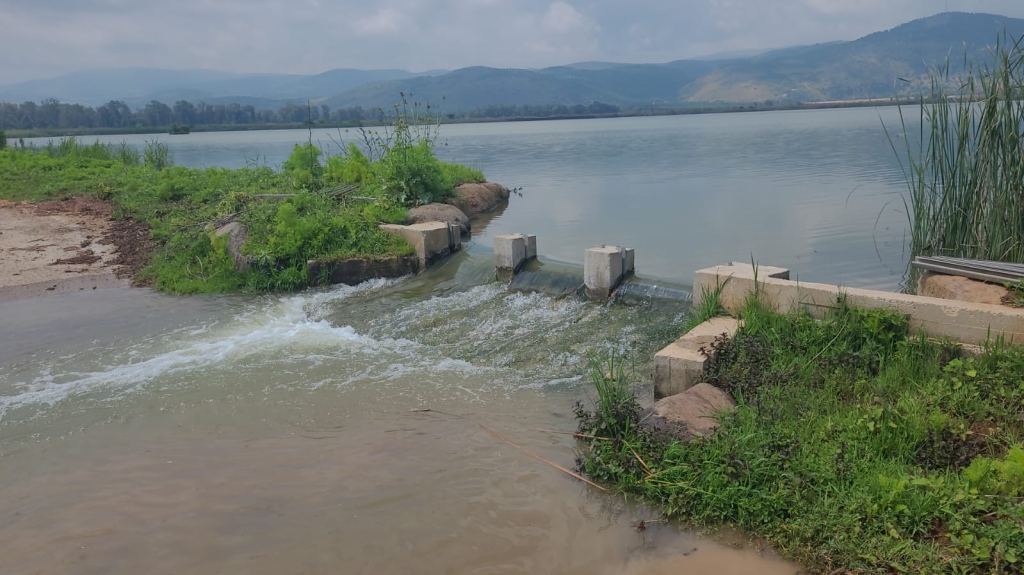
(857, 446)
(709, 306)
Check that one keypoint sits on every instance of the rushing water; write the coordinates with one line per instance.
(340, 430)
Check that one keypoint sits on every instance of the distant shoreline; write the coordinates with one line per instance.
(636, 113)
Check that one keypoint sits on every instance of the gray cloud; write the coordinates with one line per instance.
(49, 37)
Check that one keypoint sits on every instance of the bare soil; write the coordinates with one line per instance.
(71, 245)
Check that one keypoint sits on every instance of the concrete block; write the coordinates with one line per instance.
(432, 240)
(966, 322)
(509, 252)
(676, 369)
(602, 271)
(531, 247)
(628, 261)
(681, 365)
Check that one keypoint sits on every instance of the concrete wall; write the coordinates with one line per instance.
(966, 322)
(432, 240)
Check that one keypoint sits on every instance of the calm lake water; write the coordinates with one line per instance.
(339, 430)
(818, 191)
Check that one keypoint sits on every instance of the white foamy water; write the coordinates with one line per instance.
(288, 324)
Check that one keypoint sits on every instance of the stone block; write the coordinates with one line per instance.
(432, 240)
(676, 369)
(681, 365)
(509, 252)
(602, 271)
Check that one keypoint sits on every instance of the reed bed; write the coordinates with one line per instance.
(965, 166)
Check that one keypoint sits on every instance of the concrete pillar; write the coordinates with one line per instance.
(604, 268)
(511, 252)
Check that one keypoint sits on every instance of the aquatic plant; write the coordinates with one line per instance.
(856, 446)
(965, 166)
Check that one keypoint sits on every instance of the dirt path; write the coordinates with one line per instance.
(66, 246)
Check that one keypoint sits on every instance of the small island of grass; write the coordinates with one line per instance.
(324, 207)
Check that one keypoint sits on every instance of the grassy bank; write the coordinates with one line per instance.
(856, 446)
(178, 203)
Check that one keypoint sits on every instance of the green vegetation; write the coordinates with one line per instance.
(709, 307)
(3, 139)
(323, 218)
(856, 446)
(966, 173)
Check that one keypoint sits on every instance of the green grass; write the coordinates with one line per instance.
(178, 203)
(708, 307)
(856, 447)
(966, 164)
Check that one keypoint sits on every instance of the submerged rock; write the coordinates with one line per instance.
(690, 414)
(475, 199)
(440, 213)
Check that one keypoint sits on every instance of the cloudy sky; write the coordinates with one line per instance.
(43, 38)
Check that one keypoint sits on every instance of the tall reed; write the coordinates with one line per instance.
(966, 175)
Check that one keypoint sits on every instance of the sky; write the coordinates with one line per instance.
(46, 38)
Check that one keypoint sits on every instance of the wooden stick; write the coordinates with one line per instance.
(637, 455)
(579, 435)
(548, 461)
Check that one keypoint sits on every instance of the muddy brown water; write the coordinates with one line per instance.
(141, 432)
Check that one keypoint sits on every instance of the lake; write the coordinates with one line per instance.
(816, 191)
(340, 430)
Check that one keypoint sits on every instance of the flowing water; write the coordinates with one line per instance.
(341, 430)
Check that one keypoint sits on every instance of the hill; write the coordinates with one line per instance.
(868, 67)
(874, 66)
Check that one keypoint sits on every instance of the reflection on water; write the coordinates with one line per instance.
(816, 191)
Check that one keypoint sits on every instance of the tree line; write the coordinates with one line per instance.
(52, 114)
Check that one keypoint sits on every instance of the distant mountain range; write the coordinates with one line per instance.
(875, 66)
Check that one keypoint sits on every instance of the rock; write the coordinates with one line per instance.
(237, 234)
(691, 414)
(440, 213)
(475, 199)
(960, 289)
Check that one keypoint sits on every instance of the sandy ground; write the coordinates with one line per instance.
(58, 247)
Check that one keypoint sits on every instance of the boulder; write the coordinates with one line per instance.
(475, 199)
(691, 414)
(237, 234)
(440, 213)
(960, 288)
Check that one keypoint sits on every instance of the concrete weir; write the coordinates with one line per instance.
(604, 268)
(511, 251)
(432, 240)
(681, 365)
